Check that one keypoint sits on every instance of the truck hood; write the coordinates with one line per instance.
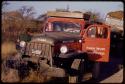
(57, 36)
(61, 36)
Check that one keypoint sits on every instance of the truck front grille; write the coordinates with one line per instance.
(39, 49)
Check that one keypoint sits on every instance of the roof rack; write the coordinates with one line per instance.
(65, 14)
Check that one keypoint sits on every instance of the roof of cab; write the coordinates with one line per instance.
(65, 14)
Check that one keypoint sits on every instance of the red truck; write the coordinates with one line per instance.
(69, 42)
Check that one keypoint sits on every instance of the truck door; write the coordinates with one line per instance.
(97, 42)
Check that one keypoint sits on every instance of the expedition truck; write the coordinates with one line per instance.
(68, 45)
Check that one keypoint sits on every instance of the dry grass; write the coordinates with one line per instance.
(36, 77)
(11, 75)
(8, 75)
(8, 48)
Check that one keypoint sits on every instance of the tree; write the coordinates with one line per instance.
(4, 5)
(26, 15)
(15, 22)
(26, 12)
(19, 19)
(95, 16)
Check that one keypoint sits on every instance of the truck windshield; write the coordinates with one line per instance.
(66, 27)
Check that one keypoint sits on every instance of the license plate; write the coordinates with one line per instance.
(36, 52)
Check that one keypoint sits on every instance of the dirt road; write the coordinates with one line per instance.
(115, 78)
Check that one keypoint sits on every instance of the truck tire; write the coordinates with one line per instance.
(81, 71)
(75, 65)
(95, 70)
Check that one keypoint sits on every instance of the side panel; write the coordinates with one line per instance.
(97, 46)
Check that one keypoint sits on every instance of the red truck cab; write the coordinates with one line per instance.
(95, 38)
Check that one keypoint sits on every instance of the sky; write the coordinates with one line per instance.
(40, 7)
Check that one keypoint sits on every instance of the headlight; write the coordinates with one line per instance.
(63, 49)
(80, 41)
(22, 44)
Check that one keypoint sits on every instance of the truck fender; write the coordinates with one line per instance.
(74, 55)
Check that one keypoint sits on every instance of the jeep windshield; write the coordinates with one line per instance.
(70, 27)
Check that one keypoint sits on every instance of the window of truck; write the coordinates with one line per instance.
(97, 32)
(69, 27)
(92, 32)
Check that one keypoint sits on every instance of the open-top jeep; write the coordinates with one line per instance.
(69, 43)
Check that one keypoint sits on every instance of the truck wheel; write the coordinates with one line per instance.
(95, 70)
(81, 71)
(75, 66)
(78, 64)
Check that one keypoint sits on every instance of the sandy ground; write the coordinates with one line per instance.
(115, 78)
(113, 74)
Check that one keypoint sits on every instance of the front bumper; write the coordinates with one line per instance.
(78, 55)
